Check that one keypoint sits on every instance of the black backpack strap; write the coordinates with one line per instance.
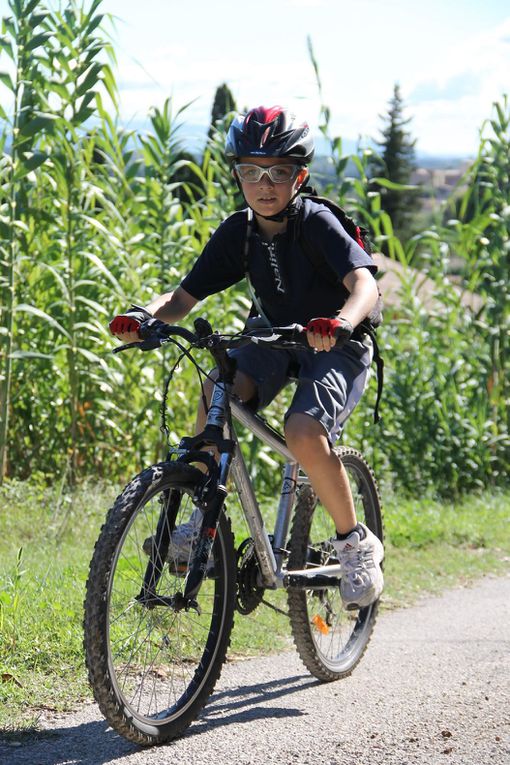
(256, 306)
(367, 329)
(247, 239)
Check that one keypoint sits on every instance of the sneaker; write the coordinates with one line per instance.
(183, 539)
(360, 561)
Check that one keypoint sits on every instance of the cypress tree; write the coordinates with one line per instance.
(224, 103)
(396, 163)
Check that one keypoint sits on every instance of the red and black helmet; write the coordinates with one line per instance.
(269, 132)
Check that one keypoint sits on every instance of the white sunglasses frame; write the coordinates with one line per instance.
(267, 171)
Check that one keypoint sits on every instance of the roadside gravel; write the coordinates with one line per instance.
(433, 688)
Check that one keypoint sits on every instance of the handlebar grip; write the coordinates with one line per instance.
(154, 332)
(152, 327)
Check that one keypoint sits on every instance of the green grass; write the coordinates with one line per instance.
(46, 541)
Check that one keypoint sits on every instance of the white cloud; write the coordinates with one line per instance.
(174, 71)
(451, 103)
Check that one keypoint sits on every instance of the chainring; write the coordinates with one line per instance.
(249, 593)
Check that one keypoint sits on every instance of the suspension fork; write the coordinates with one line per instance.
(213, 507)
(213, 494)
(159, 548)
(211, 499)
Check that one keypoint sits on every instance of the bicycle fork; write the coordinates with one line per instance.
(205, 542)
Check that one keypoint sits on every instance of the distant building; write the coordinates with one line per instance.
(442, 179)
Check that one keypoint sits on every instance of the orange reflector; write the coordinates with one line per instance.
(320, 624)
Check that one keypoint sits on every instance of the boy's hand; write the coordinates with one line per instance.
(323, 334)
(125, 326)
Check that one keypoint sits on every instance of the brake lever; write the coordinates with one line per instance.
(125, 347)
(148, 344)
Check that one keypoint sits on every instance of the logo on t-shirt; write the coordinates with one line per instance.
(273, 262)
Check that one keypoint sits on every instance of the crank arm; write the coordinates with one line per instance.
(314, 578)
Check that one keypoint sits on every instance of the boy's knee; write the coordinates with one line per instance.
(303, 431)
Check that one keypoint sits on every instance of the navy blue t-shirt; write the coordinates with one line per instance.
(286, 282)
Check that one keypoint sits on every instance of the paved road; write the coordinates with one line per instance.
(433, 688)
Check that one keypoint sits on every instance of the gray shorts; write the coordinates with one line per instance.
(328, 385)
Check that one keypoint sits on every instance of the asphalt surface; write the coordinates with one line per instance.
(432, 688)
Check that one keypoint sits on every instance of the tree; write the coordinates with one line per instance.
(396, 163)
(224, 103)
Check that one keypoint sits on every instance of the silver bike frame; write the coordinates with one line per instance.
(270, 556)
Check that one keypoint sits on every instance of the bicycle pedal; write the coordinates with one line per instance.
(317, 582)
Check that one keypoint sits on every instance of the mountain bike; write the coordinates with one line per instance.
(157, 633)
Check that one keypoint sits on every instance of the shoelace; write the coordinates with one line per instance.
(355, 562)
(189, 529)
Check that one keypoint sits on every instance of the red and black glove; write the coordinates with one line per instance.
(341, 329)
(129, 321)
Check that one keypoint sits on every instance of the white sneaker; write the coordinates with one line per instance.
(360, 561)
(184, 538)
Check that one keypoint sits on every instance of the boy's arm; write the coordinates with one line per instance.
(362, 298)
(363, 295)
(171, 307)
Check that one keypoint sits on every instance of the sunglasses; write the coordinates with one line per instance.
(277, 173)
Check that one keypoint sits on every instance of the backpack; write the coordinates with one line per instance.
(360, 236)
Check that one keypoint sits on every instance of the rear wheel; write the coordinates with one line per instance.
(153, 668)
(330, 640)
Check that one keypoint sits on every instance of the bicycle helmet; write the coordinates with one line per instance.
(269, 132)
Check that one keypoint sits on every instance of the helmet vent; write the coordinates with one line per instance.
(265, 136)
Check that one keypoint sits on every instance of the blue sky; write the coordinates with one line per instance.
(451, 58)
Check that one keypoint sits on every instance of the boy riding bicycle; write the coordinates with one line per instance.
(269, 151)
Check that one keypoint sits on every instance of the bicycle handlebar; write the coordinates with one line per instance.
(154, 333)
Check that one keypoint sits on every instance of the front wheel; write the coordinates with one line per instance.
(152, 668)
(330, 640)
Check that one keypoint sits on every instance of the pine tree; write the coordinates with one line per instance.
(223, 104)
(396, 163)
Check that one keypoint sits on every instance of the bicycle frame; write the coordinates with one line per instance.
(270, 555)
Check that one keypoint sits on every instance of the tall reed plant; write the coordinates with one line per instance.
(24, 116)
